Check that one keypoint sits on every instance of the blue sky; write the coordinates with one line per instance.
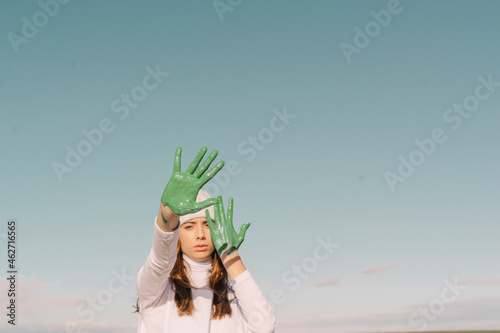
(343, 125)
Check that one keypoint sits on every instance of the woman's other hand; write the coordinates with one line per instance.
(224, 237)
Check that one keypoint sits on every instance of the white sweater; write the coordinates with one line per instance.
(158, 312)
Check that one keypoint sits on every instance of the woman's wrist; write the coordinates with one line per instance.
(233, 264)
(167, 221)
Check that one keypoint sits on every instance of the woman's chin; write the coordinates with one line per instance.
(199, 255)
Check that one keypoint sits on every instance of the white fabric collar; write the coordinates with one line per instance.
(199, 271)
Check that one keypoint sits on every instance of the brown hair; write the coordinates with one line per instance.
(218, 283)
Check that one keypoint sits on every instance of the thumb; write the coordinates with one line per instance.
(204, 204)
(243, 231)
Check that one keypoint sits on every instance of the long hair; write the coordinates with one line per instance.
(218, 283)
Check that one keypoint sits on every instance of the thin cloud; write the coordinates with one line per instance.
(379, 269)
(35, 296)
(329, 282)
(480, 312)
(482, 282)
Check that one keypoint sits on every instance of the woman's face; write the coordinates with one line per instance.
(195, 238)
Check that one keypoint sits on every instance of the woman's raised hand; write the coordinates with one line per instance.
(224, 237)
(183, 187)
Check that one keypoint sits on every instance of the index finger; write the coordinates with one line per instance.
(177, 160)
(222, 212)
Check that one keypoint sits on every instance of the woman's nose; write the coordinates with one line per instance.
(200, 233)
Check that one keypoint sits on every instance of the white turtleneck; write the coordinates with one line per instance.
(159, 314)
(198, 270)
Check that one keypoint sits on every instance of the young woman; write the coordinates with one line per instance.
(183, 286)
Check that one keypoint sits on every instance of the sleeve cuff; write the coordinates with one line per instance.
(240, 278)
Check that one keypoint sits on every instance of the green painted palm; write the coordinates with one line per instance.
(183, 187)
(224, 237)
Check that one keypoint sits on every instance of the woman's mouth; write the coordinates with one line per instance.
(201, 247)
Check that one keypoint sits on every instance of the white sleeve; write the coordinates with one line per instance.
(253, 305)
(152, 278)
